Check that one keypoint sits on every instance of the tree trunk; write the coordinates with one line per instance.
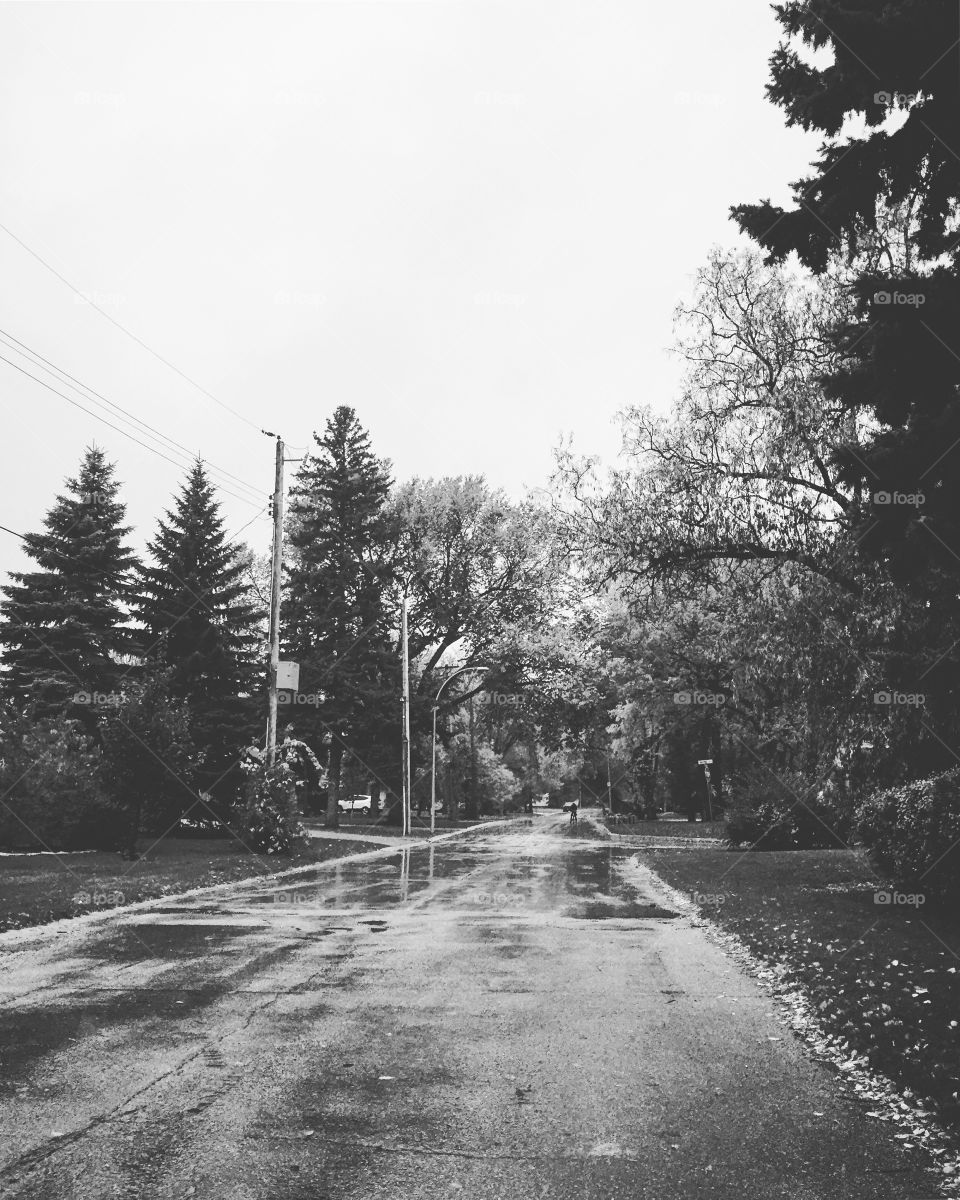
(450, 789)
(394, 804)
(133, 830)
(333, 784)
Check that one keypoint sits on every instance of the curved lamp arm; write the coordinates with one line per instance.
(459, 671)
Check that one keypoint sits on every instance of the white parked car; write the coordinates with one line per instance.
(356, 804)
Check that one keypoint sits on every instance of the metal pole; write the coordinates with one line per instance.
(433, 776)
(609, 788)
(474, 812)
(406, 724)
(276, 569)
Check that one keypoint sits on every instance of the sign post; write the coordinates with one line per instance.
(706, 763)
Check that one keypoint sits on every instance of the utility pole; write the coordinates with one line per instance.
(474, 810)
(276, 568)
(406, 721)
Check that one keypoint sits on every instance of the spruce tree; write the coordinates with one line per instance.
(198, 622)
(64, 628)
(884, 193)
(336, 619)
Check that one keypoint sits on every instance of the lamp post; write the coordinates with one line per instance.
(405, 650)
(433, 764)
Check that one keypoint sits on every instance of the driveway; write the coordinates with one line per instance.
(507, 1015)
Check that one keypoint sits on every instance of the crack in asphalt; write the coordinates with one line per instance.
(35, 1157)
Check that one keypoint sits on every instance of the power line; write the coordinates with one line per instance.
(73, 558)
(249, 523)
(52, 368)
(98, 417)
(123, 329)
(58, 553)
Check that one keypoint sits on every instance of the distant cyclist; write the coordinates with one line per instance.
(573, 813)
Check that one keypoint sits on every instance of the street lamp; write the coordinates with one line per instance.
(433, 764)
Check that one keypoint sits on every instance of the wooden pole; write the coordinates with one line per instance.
(276, 568)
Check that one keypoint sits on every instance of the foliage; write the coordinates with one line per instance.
(63, 625)
(496, 784)
(199, 622)
(50, 781)
(727, 545)
(886, 197)
(480, 572)
(337, 623)
(913, 833)
(473, 564)
(268, 820)
(310, 779)
(784, 812)
(148, 757)
(739, 471)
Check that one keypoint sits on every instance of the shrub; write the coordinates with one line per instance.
(912, 832)
(268, 820)
(148, 758)
(781, 813)
(53, 797)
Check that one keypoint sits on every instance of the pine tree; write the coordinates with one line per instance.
(198, 621)
(64, 626)
(887, 196)
(336, 621)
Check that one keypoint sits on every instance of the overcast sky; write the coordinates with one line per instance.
(470, 221)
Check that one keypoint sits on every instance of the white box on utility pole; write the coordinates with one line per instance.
(288, 675)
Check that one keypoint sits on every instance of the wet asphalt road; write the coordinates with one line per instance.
(516, 1014)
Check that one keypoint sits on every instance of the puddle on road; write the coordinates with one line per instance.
(581, 880)
(576, 879)
(173, 939)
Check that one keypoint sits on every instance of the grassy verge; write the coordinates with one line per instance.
(37, 888)
(883, 976)
(669, 829)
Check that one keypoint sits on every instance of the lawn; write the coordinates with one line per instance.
(36, 888)
(882, 976)
(666, 829)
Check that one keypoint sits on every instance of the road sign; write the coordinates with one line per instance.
(704, 762)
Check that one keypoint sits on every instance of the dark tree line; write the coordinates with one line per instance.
(160, 663)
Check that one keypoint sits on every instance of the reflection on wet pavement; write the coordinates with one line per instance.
(508, 1014)
(492, 874)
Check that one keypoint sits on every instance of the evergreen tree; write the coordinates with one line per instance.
(198, 621)
(336, 620)
(63, 627)
(888, 198)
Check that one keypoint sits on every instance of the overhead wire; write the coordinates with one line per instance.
(63, 376)
(123, 329)
(124, 432)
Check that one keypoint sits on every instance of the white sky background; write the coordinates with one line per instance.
(470, 221)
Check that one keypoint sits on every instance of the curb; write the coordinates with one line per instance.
(16, 939)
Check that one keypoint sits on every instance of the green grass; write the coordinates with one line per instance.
(37, 888)
(884, 977)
